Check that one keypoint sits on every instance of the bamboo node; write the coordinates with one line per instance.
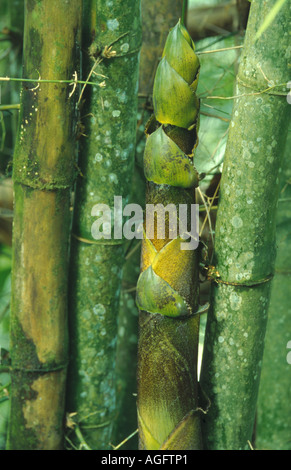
(213, 275)
(98, 242)
(43, 370)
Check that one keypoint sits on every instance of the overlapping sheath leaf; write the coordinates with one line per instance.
(176, 80)
(166, 163)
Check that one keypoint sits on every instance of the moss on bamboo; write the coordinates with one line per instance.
(167, 289)
(43, 172)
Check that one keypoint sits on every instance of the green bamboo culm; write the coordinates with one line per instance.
(273, 419)
(43, 174)
(167, 288)
(111, 41)
(245, 246)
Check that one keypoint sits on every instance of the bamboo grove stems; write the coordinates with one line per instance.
(167, 287)
(273, 421)
(245, 235)
(111, 41)
(43, 174)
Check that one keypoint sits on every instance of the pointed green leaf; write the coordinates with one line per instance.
(154, 295)
(180, 54)
(174, 101)
(165, 163)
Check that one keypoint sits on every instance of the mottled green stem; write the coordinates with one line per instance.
(43, 174)
(273, 423)
(111, 43)
(245, 234)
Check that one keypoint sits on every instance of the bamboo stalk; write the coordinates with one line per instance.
(43, 174)
(112, 36)
(245, 236)
(273, 422)
(168, 284)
